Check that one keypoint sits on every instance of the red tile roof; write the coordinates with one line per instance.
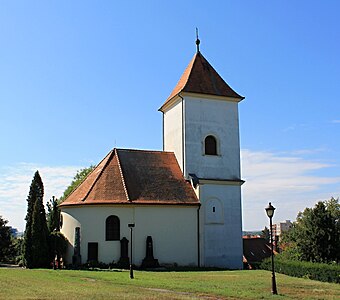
(255, 250)
(200, 77)
(135, 176)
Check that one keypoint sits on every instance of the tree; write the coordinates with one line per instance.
(35, 246)
(315, 235)
(77, 180)
(58, 246)
(5, 240)
(36, 192)
(266, 234)
(40, 250)
(53, 215)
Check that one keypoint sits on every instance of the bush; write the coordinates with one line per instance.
(315, 271)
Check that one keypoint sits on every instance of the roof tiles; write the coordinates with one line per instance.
(135, 176)
(200, 77)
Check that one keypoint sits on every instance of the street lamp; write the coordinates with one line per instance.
(270, 213)
(131, 225)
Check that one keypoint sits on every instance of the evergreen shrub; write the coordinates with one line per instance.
(304, 269)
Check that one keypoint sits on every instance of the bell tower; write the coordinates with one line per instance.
(201, 126)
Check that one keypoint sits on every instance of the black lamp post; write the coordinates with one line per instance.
(131, 225)
(270, 213)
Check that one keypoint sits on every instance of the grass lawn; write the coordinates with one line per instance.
(68, 284)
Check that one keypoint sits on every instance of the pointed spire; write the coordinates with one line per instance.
(201, 78)
(197, 41)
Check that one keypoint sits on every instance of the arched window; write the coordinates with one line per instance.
(210, 145)
(112, 228)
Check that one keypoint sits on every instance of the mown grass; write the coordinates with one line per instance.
(69, 284)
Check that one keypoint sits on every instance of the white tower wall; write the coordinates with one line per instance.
(187, 123)
(173, 131)
(203, 117)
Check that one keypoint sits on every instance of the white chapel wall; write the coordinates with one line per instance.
(173, 230)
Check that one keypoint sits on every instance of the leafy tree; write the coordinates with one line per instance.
(5, 240)
(315, 236)
(36, 192)
(77, 180)
(53, 215)
(16, 251)
(58, 246)
(333, 206)
(266, 234)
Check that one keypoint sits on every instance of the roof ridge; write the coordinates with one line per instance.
(86, 177)
(142, 150)
(185, 75)
(121, 174)
(100, 173)
(194, 59)
(190, 68)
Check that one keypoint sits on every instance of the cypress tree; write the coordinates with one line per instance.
(36, 192)
(40, 251)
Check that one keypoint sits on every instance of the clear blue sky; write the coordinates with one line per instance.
(78, 78)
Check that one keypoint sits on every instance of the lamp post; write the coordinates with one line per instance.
(270, 213)
(131, 225)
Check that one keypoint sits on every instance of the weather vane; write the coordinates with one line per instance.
(197, 41)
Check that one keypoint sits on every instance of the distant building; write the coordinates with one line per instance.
(278, 229)
(281, 227)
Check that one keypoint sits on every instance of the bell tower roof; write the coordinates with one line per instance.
(201, 78)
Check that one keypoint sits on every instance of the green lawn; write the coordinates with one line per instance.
(68, 284)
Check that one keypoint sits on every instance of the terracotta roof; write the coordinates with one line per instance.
(255, 250)
(135, 176)
(200, 77)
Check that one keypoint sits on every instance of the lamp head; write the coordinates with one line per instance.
(270, 210)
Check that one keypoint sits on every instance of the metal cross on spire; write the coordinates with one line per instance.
(197, 41)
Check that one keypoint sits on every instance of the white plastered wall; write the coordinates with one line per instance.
(173, 131)
(221, 230)
(221, 226)
(173, 230)
(203, 117)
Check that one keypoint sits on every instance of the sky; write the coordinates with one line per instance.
(78, 78)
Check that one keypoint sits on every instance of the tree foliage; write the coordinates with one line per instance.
(58, 246)
(5, 240)
(58, 243)
(53, 215)
(315, 236)
(35, 245)
(266, 234)
(36, 192)
(77, 180)
(40, 250)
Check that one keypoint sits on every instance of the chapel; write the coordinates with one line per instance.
(180, 206)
